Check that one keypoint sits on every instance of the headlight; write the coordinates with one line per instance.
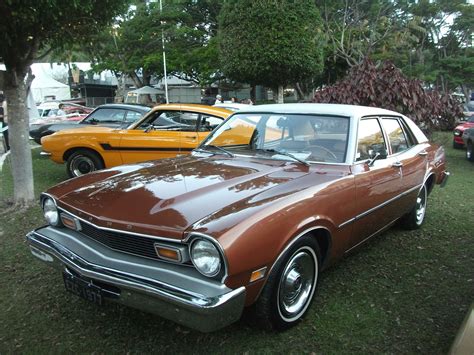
(205, 257)
(457, 133)
(50, 211)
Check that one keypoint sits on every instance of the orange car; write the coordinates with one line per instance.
(167, 131)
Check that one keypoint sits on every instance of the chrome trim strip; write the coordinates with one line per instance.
(214, 241)
(372, 235)
(44, 154)
(177, 241)
(373, 209)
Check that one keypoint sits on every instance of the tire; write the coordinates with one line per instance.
(83, 162)
(415, 218)
(470, 151)
(457, 145)
(290, 287)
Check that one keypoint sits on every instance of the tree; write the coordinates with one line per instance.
(385, 86)
(271, 43)
(133, 45)
(28, 28)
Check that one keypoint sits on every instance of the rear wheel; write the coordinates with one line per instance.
(83, 162)
(415, 218)
(290, 286)
(469, 151)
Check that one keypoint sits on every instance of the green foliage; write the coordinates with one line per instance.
(385, 86)
(134, 44)
(32, 25)
(270, 42)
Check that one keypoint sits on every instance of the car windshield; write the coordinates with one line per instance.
(296, 137)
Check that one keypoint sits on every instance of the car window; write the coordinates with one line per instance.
(285, 136)
(208, 122)
(171, 120)
(132, 116)
(397, 138)
(370, 139)
(106, 115)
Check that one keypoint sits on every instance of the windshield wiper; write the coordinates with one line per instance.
(285, 154)
(225, 151)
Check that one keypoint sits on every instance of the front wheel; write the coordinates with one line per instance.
(290, 286)
(470, 152)
(415, 218)
(83, 162)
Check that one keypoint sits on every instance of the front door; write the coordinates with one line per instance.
(165, 134)
(378, 186)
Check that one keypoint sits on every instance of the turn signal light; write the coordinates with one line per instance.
(258, 274)
(168, 253)
(70, 222)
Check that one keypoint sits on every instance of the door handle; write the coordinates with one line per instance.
(397, 164)
(190, 137)
(423, 153)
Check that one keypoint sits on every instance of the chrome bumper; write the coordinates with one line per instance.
(44, 154)
(165, 289)
(444, 178)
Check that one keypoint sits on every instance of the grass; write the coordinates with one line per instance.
(403, 292)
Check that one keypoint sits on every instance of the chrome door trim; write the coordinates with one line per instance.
(373, 209)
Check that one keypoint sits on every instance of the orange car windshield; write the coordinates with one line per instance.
(307, 138)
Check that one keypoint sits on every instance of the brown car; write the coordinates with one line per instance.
(272, 196)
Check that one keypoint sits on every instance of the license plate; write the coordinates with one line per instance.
(82, 288)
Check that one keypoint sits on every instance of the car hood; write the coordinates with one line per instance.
(85, 129)
(166, 197)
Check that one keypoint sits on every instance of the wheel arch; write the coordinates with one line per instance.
(430, 181)
(71, 151)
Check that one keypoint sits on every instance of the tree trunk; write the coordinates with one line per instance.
(280, 94)
(18, 127)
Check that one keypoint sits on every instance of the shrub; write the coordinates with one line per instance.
(385, 86)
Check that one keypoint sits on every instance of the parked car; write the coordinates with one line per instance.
(464, 342)
(468, 140)
(271, 197)
(168, 130)
(109, 115)
(233, 106)
(458, 131)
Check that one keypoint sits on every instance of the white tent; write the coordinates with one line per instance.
(137, 96)
(44, 86)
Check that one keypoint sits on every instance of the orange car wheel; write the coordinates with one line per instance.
(83, 162)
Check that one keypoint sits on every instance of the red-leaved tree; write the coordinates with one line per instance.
(385, 86)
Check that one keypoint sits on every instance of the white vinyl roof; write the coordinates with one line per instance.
(324, 109)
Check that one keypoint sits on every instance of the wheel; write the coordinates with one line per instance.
(457, 145)
(290, 286)
(470, 151)
(415, 218)
(82, 162)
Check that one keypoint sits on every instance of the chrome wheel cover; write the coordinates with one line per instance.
(81, 165)
(421, 206)
(297, 284)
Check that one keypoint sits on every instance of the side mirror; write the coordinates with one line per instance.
(374, 155)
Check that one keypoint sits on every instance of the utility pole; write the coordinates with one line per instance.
(164, 54)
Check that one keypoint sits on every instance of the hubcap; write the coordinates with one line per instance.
(82, 165)
(421, 206)
(297, 284)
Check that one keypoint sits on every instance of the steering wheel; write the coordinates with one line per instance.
(326, 152)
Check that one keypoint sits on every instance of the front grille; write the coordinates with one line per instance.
(132, 244)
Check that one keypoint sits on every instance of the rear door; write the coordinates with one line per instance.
(411, 157)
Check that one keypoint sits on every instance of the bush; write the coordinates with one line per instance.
(385, 86)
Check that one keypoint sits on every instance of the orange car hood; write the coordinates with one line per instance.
(166, 197)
